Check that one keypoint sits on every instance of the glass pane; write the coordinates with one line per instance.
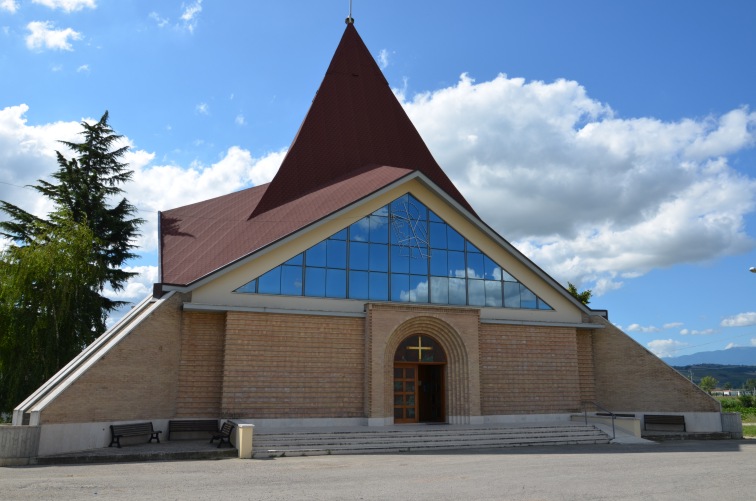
(454, 239)
(400, 288)
(418, 289)
(378, 286)
(410, 413)
(248, 288)
(400, 259)
(379, 229)
(457, 292)
(456, 264)
(359, 256)
(434, 218)
(291, 280)
(409, 373)
(471, 247)
(398, 386)
(438, 263)
(270, 283)
(398, 372)
(511, 295)
(527, 298)
(439, 290)
(358, 285)
(409, 387)
(398, 400)
(410, 400)
(416, 205)
(296, 260)
(335, 283)
(506, 276)
(475, 267)
(542, 305)
(360, 231)
(398, 413)
(378, 257)
(336, 254)
(438, 236)
(398, 205)
(476, 293)
(493, 270)
(419, 263)
(315, 282)
(340, 235)
(316, 255)
(493, 293)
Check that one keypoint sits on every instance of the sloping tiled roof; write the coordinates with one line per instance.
(355, 139)
(355, 120)
(198, 239)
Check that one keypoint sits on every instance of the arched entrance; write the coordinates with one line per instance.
(419, 381)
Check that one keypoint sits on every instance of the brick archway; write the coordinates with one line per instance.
(455, 329)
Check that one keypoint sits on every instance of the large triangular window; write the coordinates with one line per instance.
(402, 252)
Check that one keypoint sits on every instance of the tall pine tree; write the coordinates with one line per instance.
(53, 276)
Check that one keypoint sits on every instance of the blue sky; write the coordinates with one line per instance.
(612, 142)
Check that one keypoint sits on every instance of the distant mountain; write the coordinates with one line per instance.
(732, 356)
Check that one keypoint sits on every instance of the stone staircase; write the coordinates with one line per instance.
(413, 438)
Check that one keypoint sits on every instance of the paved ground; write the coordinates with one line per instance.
(688, 470)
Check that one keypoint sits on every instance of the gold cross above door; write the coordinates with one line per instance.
(419, 348)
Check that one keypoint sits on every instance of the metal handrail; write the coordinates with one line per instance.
(596, 404)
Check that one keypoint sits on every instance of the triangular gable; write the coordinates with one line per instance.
(354, 121)
(402, 252)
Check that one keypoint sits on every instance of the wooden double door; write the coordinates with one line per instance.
(419, 392)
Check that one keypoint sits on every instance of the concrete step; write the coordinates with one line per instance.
(313, 442)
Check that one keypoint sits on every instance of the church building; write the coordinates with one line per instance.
(358, 288)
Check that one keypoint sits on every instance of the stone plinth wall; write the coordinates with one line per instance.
(18, 444)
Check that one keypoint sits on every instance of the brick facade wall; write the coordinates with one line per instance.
(528, 370)
(200, 378)
(293, 366)
(586, 372)
(630, 378)
(137, 379)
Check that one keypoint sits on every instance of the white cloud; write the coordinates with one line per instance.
(9, 5)
(84, 68)
(240, 120)
(202, 109)
(383, 59)
(591, 197)
(665, 347)
(138, 286)
(640, 328)
(694, 332)
(43, 35)
(673, 325)
(27, 153)
(740, 320)
(67, 5)
(190, 14)
(753, 341)
(160, 21)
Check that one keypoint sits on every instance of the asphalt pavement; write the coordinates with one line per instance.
(680, 470)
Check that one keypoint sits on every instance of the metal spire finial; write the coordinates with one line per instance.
(350, 19)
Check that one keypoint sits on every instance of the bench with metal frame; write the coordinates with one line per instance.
(132, 430)
(192, 425)
(224, 435)
(664, 420)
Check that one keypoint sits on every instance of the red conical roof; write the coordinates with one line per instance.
(355, 121)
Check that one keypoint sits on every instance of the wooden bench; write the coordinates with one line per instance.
(224, 435)
(192, 425)
(132, 430)
(664, 420)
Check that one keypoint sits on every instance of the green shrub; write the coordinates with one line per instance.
(745, 400)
